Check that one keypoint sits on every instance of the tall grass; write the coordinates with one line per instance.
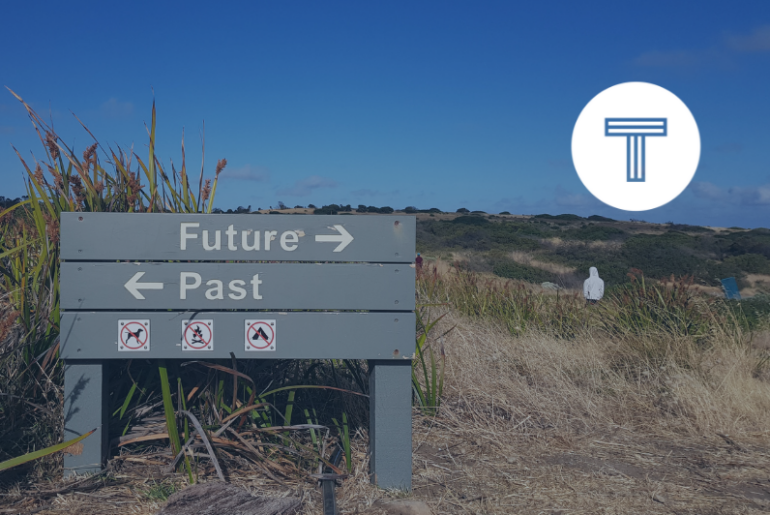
(237, 412)
(640, 307)
(63, 181)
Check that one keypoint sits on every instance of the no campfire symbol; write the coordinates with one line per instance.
(197, 335)
(260, 335)
(133, 335)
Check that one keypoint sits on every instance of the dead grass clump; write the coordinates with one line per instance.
(536, 381)
(534, 423)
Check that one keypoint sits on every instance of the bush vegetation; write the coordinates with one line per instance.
(638, 307)
(613, 247)
(510, 269)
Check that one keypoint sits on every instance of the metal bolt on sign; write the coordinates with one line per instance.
(202, 284)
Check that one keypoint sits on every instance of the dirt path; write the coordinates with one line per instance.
(608, 473)
(612, 473)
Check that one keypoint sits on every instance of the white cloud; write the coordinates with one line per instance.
(729, 148)
(247, 173)
(113, 108)
(560, 163)
(707, 190)
(366, 192)
(307, 186)
(572, 199)
(671, 59)
(757, 41)
(720, 55)
(736, 196)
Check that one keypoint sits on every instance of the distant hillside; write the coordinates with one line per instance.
(561, 248)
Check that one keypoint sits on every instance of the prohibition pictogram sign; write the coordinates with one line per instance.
(198, 335)
(133, 335)
(260, 335)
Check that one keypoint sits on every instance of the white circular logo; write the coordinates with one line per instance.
(636, 146)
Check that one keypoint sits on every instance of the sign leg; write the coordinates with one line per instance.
(390, 423)
(85, 408)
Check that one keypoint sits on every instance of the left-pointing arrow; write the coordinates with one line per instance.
(133, 286)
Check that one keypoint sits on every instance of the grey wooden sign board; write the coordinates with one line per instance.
(172, 286)
(247, 286)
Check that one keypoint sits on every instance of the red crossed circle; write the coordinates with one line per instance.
(126, 334)
(270, 332)
(188, 329)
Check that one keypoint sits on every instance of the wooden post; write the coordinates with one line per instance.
(390, 423)
(85, 408)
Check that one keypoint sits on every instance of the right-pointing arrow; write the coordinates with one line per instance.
(343, 238)
(133, 286)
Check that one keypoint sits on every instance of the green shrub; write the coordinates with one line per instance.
(510, 269)
(559, 217)
(471, 220)
(755, 241)
(750, 263)
(716, 271)
(333, 209)
(531, 229)
(510, 241)
(756, 310)
(659, 256)
(612, 266)
(470, 239)
(595, 233)
(688, 228)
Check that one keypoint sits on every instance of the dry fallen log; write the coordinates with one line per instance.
(223, 499)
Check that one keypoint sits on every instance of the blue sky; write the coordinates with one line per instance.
(442, 104)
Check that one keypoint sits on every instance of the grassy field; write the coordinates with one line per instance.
(647, 420)
(527, 400)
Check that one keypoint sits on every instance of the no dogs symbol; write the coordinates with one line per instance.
(133, 335)
(260, 335)
(197, 335)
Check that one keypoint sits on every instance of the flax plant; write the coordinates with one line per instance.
(429, 365)
(29, 246)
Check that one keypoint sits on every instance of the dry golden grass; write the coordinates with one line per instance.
(528, 258)
(539, 425)
(759, 283)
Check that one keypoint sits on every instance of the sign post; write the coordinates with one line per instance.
(172, 286)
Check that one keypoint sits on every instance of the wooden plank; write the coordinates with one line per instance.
(245, 286)
(149, 237)
(303, 335)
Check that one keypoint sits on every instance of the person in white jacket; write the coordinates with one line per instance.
(593, 287)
